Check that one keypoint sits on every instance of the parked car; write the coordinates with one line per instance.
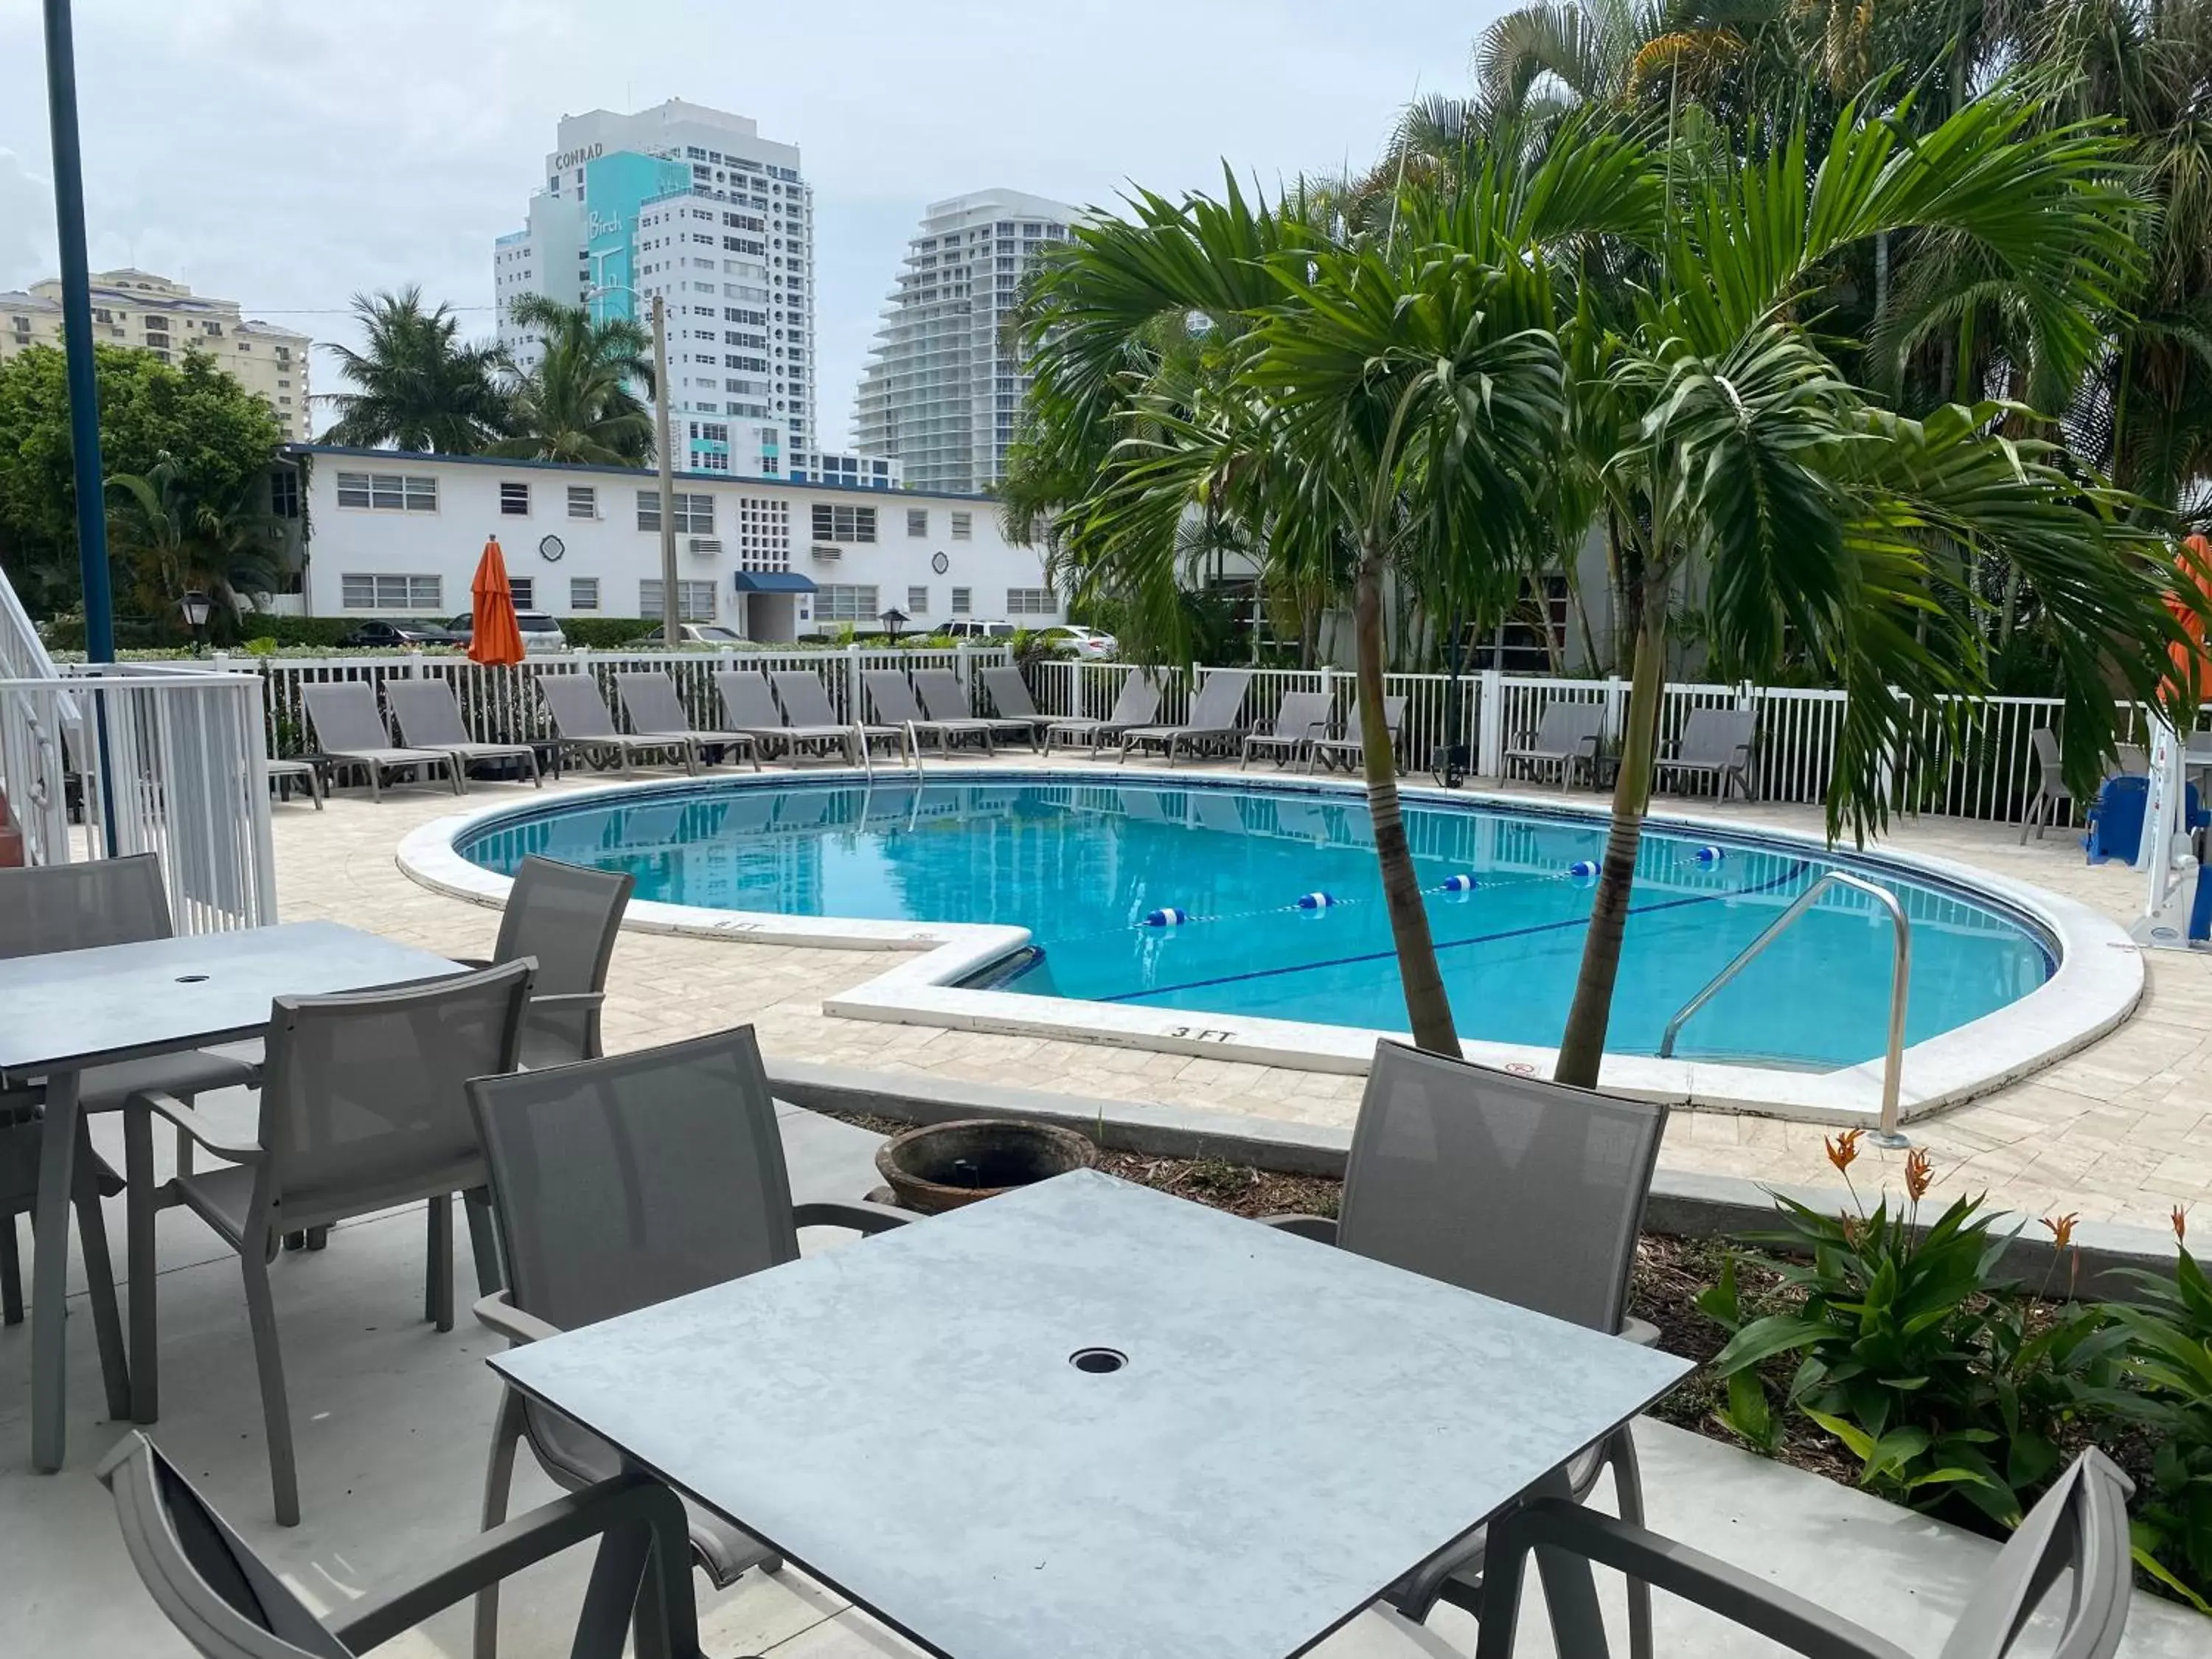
(540, 633)
(969, 628)
(401, 631)
(710, 633)
(1066, 640)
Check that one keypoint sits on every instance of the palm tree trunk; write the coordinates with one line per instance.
(1582, 1048)
(1427, 1008)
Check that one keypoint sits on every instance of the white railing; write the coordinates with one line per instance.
(172, 758)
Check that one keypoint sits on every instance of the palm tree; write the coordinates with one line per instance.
(575, 404)
(174, 543)
(416, 385)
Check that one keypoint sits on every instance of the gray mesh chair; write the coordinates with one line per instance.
(429, 716)
(565, 918)
(1137, 703)
(349, 732)
(1566, 740)
(582, 725)
(1519, 1188)
(748, 706)
(619, 1183)
(805, 701)
(1216, 713)
(1717, 745)
(1301, 719)
(893, 700)
(228, 1604)
(1350, 750)
(1010, 696)
(2080, 1523)
(648, 697)
(21, 1139)
(946, 704)
(362, 1109)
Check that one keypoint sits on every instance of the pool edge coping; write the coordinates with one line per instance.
(2097, 983)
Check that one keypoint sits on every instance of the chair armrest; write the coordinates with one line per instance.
(202, 1131)
(566, 1001)
(1320, 1228)
(474, 963)
(510, 1322)
(1641, 1332)
(862, 1216)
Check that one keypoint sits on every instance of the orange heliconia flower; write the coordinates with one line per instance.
(2180, 1225)
(2062, 1228)
(1919, 1174)
(1844, 1149)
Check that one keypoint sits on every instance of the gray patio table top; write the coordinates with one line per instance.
(62, 1012)
(1291, 1428)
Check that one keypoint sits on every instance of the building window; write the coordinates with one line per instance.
(284, 492)
(524, 591)
(514, 501)
(695, 512)
(382, 593)
(584, 503)
(917, 521)
(1030, 602)
(963, 526)
(388, 492)
(846, 602)
(917, 602)
(695, 601)
(844, 524)
(960, 605)
(583, 593)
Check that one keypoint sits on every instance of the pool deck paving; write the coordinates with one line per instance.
(2116, 1132)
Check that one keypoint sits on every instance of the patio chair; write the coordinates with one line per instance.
(1566, 738)
(349, 732)
(1301, 719)
(2080, 1523)
(565, 918)
(806, 703)
(229, 1604)
(946, 704)
(749, 706)
(893, 700)
(582, 724)
(429, 716)
(1216, 718)
(361, 1109)
(2132, 761)
(1350, 750)
(1716, 744)
(1137, 703)
(283, 772)
(573, 1154)
(649, 699)
(95, 1179)
(1010, 696)
(1516, 1188)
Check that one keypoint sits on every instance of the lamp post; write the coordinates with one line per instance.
(671, 624)
(195, 605)
(893, 620)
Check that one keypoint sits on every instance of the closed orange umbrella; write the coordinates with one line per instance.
(2192, 663)
(496, 637)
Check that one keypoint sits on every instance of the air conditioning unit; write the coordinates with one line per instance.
(705, 546)
(827, 554)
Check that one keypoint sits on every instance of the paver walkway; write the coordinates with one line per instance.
(2118, 1131)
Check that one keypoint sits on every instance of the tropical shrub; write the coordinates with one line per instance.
(2169, 1364)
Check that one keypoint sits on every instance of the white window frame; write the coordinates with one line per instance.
(583, 593)
(917, 521)
(847, 602)
(694, 600)
(963, 526)
(583, 500)
(1032, 602)
(963, 601)
(513, 498)
(524, 591)
(387, 492)
(405, 592)
(917, 602)
(857, 523)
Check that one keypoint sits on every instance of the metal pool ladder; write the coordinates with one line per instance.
(1901, 985)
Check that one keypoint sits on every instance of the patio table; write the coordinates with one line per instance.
(65, 1011)
(1091, 1420)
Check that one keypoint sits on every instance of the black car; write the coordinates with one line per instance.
(402, 632)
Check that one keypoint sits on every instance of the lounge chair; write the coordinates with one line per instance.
(748, 706)
(226, 1602)
(283, 772)
(649, 699)
(1010, 696)
(1350, 750)
(349, 731)
(947, 704)
(1566, 738)
(1215, 718)
(1302, 721)
(1137, 703)
(581, 724)
(1719, 744)
(430, 717)
(565, 918)
(806, 703)
(893, 700)
(1516, 1188)
(692, 1126)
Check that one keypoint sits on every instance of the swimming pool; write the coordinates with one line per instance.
(1087, 865)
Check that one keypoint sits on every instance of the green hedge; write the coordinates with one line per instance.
(608, 633)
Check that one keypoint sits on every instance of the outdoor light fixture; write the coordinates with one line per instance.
(196, 606)
(893, 620)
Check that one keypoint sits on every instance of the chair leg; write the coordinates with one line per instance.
(100, 1286)
(145, 1330)
(437, 1275)
(499, 1483)
(2027, 818)
(483, 1240)
(1628, 1497)
(11, 1272)
(269, 1361)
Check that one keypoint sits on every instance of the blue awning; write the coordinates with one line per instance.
(773, 581)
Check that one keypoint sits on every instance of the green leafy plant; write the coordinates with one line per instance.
(2169, 1364)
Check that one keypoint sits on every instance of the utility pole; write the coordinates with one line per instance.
(672, 625)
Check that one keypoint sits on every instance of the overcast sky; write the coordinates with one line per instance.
(290, 155)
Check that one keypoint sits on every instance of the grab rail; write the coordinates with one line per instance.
(1900, 984)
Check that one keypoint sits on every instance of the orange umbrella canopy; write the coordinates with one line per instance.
(496, 637)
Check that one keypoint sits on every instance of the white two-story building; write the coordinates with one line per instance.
(390, 534)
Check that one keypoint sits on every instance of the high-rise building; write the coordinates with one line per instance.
(694, 205)
(945, 383)
(136, 308)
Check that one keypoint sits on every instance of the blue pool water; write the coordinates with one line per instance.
(1081, 864)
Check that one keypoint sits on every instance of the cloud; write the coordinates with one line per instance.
(27, 223)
